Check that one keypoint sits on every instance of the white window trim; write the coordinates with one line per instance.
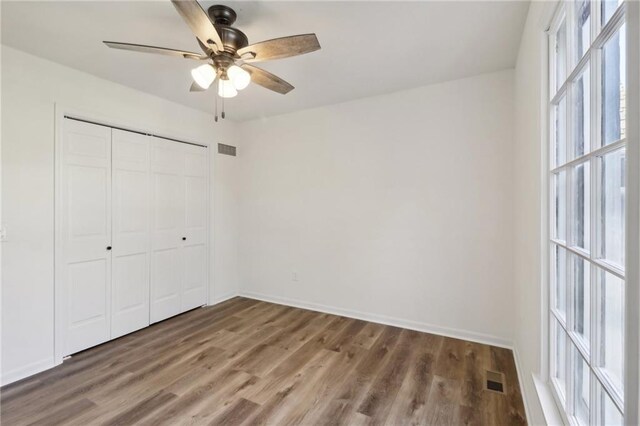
(632, 289)
(632, 279)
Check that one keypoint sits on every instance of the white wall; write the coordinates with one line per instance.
(528, 208)
(227, 188)
(30, 87)
(398, 206)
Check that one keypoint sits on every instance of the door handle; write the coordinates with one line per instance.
(108, 247)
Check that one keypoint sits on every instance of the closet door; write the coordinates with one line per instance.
(85, 237)
(196, 179)
(167, 221)
(130, 253)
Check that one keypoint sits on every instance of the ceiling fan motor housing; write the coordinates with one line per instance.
(232, 38)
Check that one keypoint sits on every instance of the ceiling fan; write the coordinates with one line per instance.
(227, 52)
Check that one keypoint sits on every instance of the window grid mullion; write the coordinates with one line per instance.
(599, 40)
(596, 152)
(595, 261)
(568, 135)
(574, 67)
(595, 138)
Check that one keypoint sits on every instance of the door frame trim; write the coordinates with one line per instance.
(61, 112)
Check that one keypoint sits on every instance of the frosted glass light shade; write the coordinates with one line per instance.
(204, 75)
(239, 77)
(226, 89)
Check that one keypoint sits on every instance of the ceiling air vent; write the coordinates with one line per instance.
(495, 381)
(226, 149)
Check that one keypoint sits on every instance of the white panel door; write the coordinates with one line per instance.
(196, 176)
(130, 253)
(167, 221)
(85, 234)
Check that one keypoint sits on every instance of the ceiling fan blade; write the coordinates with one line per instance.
(195, 87)
(198, 21)
(153, 49)
(205, 48)
(280, 48)
(267, 80)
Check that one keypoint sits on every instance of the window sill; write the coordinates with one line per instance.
(550, 410)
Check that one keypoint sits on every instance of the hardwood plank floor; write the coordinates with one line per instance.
(247, 362)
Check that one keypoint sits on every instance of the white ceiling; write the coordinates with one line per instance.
(368, 47)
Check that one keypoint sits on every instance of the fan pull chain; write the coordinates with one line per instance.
(223, 108)
(216, 98)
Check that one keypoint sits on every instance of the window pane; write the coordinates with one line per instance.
(581, 273)
(581, 376)
(561, 54)
(581, 206)
(613, 88)
(559, 202)
(559, 266)
(559, 360)
(611, 323)
(607, 9)
(583, 27)
(611, 205)
(608, 413)
(560, 134)
(581, 118)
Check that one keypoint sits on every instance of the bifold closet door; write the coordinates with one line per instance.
(179, 181)
(133, 232)
(130, 253)
(85, 235)
(196, 177)
(167, 221)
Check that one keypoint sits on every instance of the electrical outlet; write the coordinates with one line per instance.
(3, 233)
(294, 276)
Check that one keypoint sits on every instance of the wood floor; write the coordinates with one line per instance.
(250, 362)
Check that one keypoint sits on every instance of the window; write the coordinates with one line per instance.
(587, 209)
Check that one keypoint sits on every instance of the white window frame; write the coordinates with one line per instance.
(629, 14)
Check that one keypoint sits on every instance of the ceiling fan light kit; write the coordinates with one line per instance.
(228, 53)
(240, 77)
(204, 75)
(226, 89)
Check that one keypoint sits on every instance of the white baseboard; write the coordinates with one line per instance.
(224, 297)
(386, 320)
(516, 359)
(27, 370)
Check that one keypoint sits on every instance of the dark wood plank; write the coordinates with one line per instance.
(66, 413)
(236, 413)
(141, 410)
(251, 362)
(409, 407)
(442, 404)
(386, 386)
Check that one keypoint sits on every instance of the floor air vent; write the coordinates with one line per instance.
(226, 149)
(495, 381)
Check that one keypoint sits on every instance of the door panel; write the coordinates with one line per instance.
(195, 276)
(196, 229)
(130, 293)
(130, 289)
(196, 160)
(167, 221)
(88, 290)
(85, 235)
(195, 209)
(166, 291)
(87, 203)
